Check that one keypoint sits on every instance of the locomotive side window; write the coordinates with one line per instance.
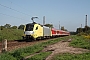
(29, 27)
(36, 27)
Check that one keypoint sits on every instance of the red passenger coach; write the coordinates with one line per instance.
(56, 33)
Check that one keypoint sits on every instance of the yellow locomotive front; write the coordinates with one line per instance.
(33, 31)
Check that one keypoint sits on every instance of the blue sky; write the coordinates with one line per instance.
(70, 13)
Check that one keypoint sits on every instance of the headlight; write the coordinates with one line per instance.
(31, 32)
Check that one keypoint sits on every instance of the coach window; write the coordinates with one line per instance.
(36, 27)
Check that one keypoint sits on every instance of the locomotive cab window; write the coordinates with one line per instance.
(37, 28)
(29, 27)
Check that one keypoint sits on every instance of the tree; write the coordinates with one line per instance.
(14, 27)
(79, 30)
(65, 30)
(21, 27)
(2, 27)
(49, 25)
(7, 26)
(85, 29)
(62, 28)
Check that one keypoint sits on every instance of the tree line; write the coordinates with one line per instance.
(86, 29)
(51, 25)
(8, 26)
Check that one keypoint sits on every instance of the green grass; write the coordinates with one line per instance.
(67, 56)
(40, 56)
(23, 52)
(11, 34)
(7, 56)
(80, 41)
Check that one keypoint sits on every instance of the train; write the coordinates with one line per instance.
(36, 31)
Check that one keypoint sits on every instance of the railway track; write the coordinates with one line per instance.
(12, 45)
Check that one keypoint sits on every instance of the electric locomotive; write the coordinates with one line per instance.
(36, 31)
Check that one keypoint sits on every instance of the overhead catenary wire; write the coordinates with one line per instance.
(12, 16)
(2, 5)
(17, 5)
(14, 10)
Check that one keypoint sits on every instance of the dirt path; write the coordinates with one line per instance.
(62, 47)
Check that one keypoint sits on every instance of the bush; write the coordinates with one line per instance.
(82, 33)
(88, 36)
